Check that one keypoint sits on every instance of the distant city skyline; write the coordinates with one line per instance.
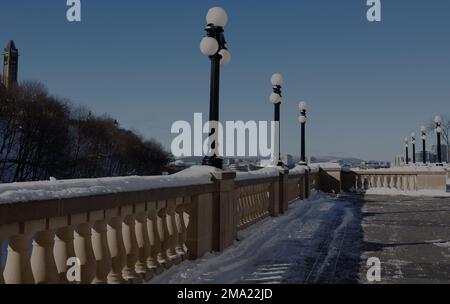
(368, 85)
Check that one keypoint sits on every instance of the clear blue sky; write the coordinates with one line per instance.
(368, 84)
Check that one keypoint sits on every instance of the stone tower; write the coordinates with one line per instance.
(10, 64)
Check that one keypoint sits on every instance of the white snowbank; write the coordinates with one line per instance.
(314, 168)
(419, 193)
(46, 190)
(258, 174)
(299, 169)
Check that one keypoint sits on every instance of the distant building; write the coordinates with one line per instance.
(429, 157)
(444, 150)
(10, 65)
(399, 161)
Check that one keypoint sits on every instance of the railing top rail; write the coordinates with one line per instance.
(53, 208)
(64, 189)
(395, 172)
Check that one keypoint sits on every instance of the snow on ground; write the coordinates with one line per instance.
(54, 189)
(396, 192)
(297, 247)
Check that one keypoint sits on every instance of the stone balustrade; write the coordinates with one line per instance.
(406, 180)
(127, 230)
(129, 236)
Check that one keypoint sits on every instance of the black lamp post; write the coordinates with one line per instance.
(303, 119)
(276, 98)
(214, 46)
(438, 122)
(407, 150)
(423, 132)
(413, 141)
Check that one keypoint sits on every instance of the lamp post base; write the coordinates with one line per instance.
(302, 163)
(213, 161)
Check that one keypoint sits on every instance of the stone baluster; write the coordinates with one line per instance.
(101, 251)
(246, 206)
(164, 237)
(156, 260)
(143, 267)
(117, 250)
(392, 183)
(85, 253)
(63, 251)
(399, 182)
(18, 266)
(131, 249)
(181, 228)
(172, 231)
(43, 264)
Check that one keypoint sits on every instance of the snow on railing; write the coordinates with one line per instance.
(64, 189)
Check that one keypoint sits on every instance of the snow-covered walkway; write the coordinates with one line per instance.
(303, 246)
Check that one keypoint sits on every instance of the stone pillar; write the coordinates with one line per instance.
(63, 250)
(143, 243)
(101, 252)
(84, 252)
(117, 250)
(199, 232)
(131, 250)
(274, 207)
(225, 202)
(307, 182)
(42, 259)
(18, 266)
(283, 190)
